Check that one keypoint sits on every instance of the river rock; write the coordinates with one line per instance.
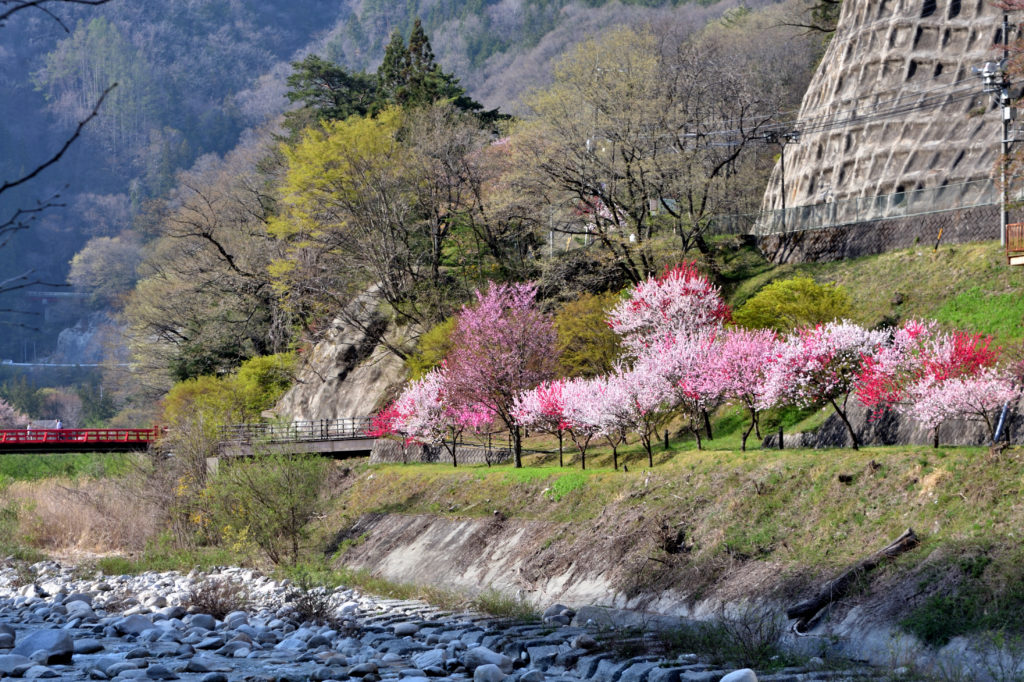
(160, 672)
(12, 665)
(404, 629)
(429, 659)
(57, 645)
(202, 620)
(133, 625)
(743, 675)
(480, 655)
(488, 672)
(40, 672)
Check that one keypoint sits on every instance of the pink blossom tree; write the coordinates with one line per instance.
(501, 347)
(932, 376)
(543, 408)
(737, 368)
(680, 300)
(11, 418)
(425, 412)
(583, 399)
(820, 366)
(975, 397)
(640, 400)
(685, 360)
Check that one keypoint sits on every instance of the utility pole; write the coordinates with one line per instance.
(781, 139)
(1007, 114)
(996, 83)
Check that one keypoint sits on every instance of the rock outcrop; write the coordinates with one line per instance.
(344, 375)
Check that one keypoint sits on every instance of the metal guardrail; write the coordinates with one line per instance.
(349, 428)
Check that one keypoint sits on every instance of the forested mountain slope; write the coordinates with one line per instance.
(193, 75)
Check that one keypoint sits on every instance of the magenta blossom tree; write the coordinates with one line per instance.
(543, 409)
(501, 347)
(820, 366)
(680, 300)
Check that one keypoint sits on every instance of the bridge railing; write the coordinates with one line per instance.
(22, 436)
(348, 428)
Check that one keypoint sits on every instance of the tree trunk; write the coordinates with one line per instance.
(837, 589)
(696, 434)
(517, 447)
(849, 427)
(646, 441)
(707, 425)
(560, 463)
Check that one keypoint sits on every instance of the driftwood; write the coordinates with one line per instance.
(837, 589)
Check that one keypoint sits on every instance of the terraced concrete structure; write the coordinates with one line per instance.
(894, 126)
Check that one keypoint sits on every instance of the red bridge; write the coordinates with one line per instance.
(76, 440)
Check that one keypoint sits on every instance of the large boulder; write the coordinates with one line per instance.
(57, 644)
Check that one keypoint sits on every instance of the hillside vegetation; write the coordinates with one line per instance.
(962, 285)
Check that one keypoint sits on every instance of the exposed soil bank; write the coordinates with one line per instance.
(768, 532)
(547, 563)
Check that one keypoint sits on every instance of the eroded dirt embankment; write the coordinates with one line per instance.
(703, 538)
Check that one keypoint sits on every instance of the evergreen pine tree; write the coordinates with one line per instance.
(393, 73)
(327, 91)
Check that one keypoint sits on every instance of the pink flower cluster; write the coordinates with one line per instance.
(933, 376)
(682, 359)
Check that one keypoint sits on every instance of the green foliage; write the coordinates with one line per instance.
(261, 381)
(971, 594)
(431, 349)
(212, 398)
(410, 77)
(501, 605)
(268, 500)
(787, 304)
(162, 554)
(587, 345)
(23, 395)
(750, 637)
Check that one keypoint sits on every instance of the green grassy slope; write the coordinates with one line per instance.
(962, 285)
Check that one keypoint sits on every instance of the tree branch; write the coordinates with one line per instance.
(67, 143)
(18, 5)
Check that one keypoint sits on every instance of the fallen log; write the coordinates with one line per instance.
(836, 589)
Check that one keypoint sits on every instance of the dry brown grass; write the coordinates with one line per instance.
(60, 515)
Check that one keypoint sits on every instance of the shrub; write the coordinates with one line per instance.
(261, 381)
(431, 349)
(787, 304)
(218, 598)
(269, 499)
(587, 345)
